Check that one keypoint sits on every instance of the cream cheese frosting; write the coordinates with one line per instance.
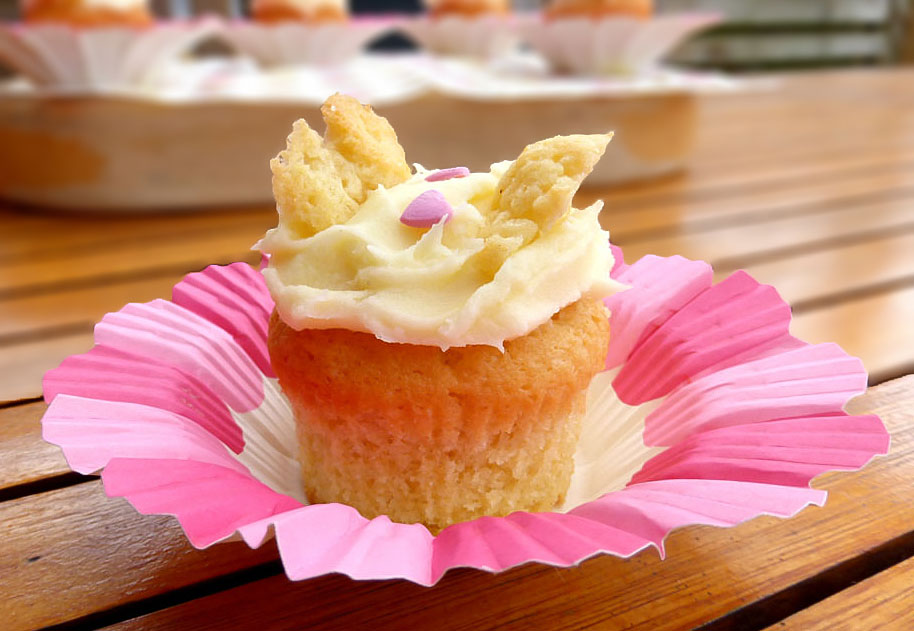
(455, 283)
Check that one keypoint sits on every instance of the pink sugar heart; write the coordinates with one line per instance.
(427, 210)
(447, 174)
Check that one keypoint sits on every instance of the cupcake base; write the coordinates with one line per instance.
(438, 437)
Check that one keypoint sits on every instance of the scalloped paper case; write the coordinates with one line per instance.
(611, 45)
(485, 37)
(95, 58)
(709, 412)
(300, 43)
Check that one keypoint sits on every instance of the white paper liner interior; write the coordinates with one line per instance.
(270, 444)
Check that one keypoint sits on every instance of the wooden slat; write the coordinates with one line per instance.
(25, 457)
(848, 269)
(711, 180)
(23, 365)
(708, 571)
(83, 307)
(182, 252)
(728, 247)
(676, 217)
(72, 552)
(877, 329)
(884, 601)
(33, 234)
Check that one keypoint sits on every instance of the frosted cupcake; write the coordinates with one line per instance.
(600, 8)
(434, 331)
(88, 12)
(309, 11)
(470, 8)
(481, 29)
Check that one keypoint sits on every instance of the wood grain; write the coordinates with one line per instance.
(72, 552)
(708, 571)
(25, 457)
(884, 601)
(811, 276)
(876, 328)
(675, 216)
(23, 365)
(729, 247)
(35, 234)
(41, 315)
(31, 275)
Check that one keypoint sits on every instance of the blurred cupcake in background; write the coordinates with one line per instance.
(308, 11)
(88, 12)
(484, 29)
(600, 8)
(467, 8)
(303, 32)
(608, 37)
(95, 45)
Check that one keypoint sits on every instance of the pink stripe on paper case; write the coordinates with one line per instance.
(210, 501)
(736, 320)
(325, 538)
(659, 288)
(785, 452)
(804, 381)
(656, 508)
(234, 298)
(169, 334)
(111, 375)
(92, 432)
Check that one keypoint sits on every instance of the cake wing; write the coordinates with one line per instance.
(364, 146)
(321, 182)
(542, 181)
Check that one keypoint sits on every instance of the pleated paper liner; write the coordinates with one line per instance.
(709, 413)
(483, 37)
(610, 45)
(69, 57)
(293, 43)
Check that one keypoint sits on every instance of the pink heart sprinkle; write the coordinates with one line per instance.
(447, 174)
(427, 210)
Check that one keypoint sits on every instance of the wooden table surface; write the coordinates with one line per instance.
(810, 187)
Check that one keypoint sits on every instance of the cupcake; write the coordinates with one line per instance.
(483, 29)
(308, 11)
(609, 37)
(435, 331)
(469, 8)
(87, 13)
(600, 8)
(97, 45)
(298, 33)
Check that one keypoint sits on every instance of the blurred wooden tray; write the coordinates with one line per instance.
(210, 145)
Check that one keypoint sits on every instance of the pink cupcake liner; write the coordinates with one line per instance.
(710, 413)
(62, 56)
(610, 45)
(291, 43)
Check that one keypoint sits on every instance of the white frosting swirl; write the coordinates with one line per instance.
(449, 285)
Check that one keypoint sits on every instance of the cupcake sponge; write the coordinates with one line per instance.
(437, 437)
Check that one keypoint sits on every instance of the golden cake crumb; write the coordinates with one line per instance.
(321, 182)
